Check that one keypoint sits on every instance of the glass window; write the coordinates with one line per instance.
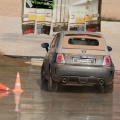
(83, 41)
(55, 41)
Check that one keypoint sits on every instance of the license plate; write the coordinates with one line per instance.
(88, 61)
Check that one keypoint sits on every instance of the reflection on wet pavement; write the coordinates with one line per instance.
(4, 93)
(69, 103)
(66, 106)
(17, 96)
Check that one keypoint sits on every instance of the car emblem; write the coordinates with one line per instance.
(83, 51)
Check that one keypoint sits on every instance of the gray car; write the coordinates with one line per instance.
(78, 58)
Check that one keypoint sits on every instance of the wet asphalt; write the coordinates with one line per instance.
(36, 103)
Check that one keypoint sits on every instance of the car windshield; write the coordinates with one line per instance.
(83, 41)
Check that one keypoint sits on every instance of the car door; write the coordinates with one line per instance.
(51, 53)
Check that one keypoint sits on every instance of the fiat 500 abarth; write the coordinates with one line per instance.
(78, 58)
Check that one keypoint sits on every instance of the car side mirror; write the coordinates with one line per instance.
(45, 45)
(109, 48)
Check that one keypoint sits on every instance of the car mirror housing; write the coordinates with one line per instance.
(45, 45)
(109, 48)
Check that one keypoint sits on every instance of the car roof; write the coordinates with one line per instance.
(64, 33)
(97, 35)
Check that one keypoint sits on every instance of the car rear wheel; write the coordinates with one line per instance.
(55, 86)
(107, 88)
(52, 85)
(43, 79)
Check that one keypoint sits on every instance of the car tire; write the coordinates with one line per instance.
(55, 86)
(43, 79)
(52, 85)
(108, 88)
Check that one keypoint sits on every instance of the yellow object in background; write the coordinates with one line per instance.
(37, 18)
(32, 17)
(80, 19)
(40, 18)
(88, 18)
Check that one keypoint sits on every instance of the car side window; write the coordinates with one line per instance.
(54, 43)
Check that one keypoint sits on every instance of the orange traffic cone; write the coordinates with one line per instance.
(17, 100)
(3, 87)
(17, 84)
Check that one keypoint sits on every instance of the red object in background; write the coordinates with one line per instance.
(29, 31)
(90, 29)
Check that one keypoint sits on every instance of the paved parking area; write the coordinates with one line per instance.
(36, 103)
